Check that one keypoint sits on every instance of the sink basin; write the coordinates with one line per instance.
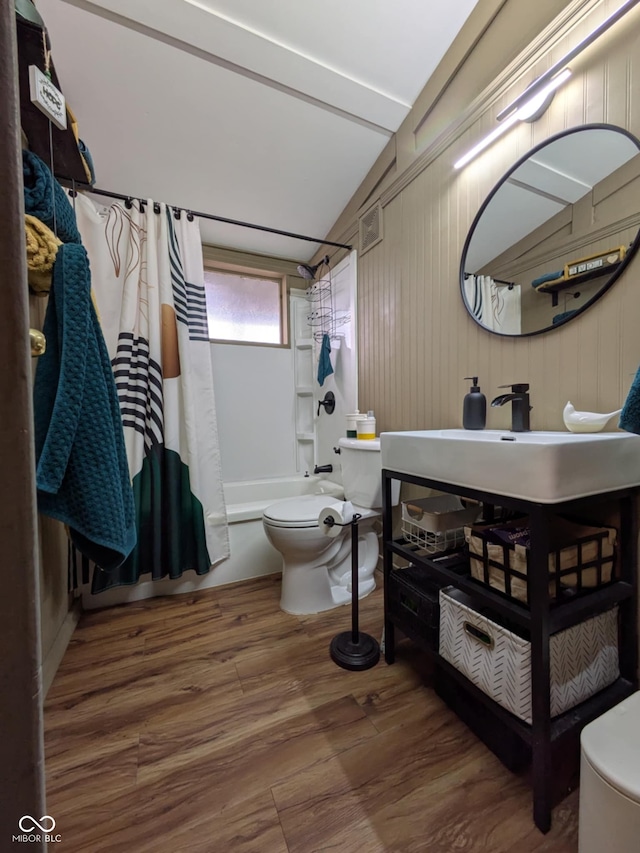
(544, 467)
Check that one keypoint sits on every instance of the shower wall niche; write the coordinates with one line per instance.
(305, 382)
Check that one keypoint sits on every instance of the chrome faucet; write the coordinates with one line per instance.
(520, 408)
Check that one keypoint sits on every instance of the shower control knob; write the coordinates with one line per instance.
(329, 403)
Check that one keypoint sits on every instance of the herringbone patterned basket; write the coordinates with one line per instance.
(584, 658)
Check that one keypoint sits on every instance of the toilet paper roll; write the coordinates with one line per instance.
(341, 512)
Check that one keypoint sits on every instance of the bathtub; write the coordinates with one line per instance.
(251, 555)
(246, 501)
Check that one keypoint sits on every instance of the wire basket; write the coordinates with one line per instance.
(436, 524)
(433, 543)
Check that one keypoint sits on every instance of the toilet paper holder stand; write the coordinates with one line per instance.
(353, 649)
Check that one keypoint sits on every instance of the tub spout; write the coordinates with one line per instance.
(323, 469)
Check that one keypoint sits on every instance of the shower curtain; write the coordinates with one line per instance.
(495, 306)
(147, 274)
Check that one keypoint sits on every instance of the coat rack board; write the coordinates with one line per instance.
(66, 156)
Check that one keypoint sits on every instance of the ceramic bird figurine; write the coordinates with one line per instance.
(585, 421)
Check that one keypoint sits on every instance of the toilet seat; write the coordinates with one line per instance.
(611, 745)
(303, 511)
(297, 512)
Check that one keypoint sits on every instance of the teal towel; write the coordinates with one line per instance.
(630, 417)
(45, 199)
(549, 276)
(324, 362)
(82, 473)
(558, 318)
(88, 159)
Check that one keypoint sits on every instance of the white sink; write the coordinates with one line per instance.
(545, 467)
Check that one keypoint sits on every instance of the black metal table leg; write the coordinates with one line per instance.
(628, 572)
(538, 585)
(387, 534)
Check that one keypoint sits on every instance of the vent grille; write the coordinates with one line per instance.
(371, 228)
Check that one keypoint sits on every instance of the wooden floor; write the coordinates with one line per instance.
(215, 723)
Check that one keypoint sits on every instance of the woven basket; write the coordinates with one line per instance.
(582, 556)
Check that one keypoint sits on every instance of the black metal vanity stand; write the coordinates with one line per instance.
(541, 619)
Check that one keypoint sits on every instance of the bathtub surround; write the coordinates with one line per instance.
(148, 276)
(343, 382)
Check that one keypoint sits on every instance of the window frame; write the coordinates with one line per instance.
(259, 273)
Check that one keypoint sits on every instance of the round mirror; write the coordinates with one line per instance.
(555, 232)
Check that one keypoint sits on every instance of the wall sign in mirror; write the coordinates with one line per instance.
(555, 232)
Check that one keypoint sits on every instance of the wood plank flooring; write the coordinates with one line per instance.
(216, 723)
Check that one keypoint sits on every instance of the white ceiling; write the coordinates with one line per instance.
(266, 112)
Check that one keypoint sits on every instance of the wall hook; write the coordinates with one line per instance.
(38, 342)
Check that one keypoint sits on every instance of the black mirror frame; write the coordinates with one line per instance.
(614, 276)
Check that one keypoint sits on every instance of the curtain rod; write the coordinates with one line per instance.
(510, 284)
(129, 198)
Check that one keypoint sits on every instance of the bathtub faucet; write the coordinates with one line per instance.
(323, 469)
(520, 408)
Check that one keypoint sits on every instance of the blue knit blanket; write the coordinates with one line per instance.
(630, 416)
(82, 473)
(45, 199)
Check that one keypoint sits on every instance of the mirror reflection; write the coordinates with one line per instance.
(555, 232)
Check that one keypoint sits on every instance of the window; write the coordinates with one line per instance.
(245, 307)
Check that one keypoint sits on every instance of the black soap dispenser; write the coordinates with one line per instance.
(474, 409)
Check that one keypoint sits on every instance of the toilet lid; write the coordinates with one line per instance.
(297, 512)
(611, 744)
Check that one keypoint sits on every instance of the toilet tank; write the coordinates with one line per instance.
(361, 465)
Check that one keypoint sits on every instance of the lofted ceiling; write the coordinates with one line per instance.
(266, 111)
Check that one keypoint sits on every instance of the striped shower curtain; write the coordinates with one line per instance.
(496, 307)
(147, 275)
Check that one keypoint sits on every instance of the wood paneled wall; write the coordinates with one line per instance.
(416, 340)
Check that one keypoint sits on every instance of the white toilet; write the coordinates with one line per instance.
(316, 569)
(609, 820)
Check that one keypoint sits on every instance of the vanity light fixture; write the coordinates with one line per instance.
(526, 111)
(536, 97)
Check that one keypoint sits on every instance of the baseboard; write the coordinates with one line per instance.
(52, 661)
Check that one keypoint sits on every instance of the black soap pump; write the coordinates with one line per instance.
(474, 409)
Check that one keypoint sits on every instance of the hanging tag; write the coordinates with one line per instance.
(47, 97)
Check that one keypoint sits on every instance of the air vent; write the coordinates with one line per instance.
(371, 228)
